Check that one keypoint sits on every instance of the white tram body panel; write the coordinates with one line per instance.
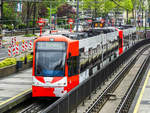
(93, 47)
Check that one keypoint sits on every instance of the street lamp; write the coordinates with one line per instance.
(77, 16)
(145, 24)
(41, 24)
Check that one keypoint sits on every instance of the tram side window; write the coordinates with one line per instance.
(73, 65)
(120, 42)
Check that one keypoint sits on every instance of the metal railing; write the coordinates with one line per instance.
(71, 100)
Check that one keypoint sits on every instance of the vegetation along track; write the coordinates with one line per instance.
(114, 95)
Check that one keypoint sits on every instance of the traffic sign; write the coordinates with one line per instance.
(70, 21)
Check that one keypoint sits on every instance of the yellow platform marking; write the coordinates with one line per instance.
(15, 96)
(141, 94)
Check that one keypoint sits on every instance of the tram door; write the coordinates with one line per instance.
(73, 65)
(120, 42)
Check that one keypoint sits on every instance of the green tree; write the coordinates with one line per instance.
(54, 6)
(66, 10)
(9, 13)
(109, 5)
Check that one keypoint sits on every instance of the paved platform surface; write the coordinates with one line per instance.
(12, 85)
(143, 101)
(3, 53)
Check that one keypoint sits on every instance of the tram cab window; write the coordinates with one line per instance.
(73, 65)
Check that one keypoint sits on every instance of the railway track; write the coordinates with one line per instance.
(36, 107)
(124, 105)
(118, 95)
(32, 105)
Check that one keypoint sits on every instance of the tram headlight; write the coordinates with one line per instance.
(61, 84)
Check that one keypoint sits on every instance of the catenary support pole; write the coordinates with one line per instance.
(34, 14)
(50, 16)
(77, 16)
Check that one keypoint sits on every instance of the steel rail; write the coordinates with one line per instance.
(37, 106)
(124, 105)
(104, 96)
(33, 108)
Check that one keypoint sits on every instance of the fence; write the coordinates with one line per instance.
(16, 48)
(71, 100)
(20, 32)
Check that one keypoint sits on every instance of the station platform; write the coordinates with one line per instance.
(13, 86)
(142, 104)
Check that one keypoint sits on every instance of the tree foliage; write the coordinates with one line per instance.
(42, 11)
(108, 6)
(105, 6)
(65, 10)
(128, 4)
(61, 8)
(9, 13)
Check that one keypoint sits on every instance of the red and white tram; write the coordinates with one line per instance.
(57, 61)
(56, 65)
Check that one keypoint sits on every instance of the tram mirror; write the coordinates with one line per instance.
(69, 54)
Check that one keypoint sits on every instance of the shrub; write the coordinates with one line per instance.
(7, 62)
(10, 27)
(29, 57)
(12, 61)
(67, 26)
(30, 24)
(4, 26)
(22, 26)
(29, 35)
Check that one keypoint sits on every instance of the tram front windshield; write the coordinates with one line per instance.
(50, 59)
